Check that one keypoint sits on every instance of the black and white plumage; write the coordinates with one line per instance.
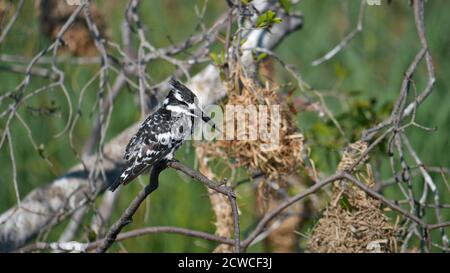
(162, 133)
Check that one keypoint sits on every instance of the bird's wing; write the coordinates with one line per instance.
(141, 160)
(145, 147)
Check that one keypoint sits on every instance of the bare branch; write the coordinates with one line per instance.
(347, 39)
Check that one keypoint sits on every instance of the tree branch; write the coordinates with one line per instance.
(50, 204)
(127, 215)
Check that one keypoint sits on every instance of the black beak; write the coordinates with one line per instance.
(208, 120)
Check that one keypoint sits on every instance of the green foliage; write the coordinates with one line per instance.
(286, 4)
(267, 20)
(218, 59)
(261, 57)
(344, 203)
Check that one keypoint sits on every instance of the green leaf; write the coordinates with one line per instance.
(277, 20)
(286, 4)
(218, 60)
(267, 19)
(345, 204)
(261, 56)
(92, 235)
(214, 57)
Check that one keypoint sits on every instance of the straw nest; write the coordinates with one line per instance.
(354, 222)
(78, 39)
(257, 155)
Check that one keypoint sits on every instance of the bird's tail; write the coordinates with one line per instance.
(122, 179)
(128, 174)
(116, 184)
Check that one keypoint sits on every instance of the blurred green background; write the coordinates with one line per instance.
(360, 85)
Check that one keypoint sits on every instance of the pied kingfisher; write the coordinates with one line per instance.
(162, 133)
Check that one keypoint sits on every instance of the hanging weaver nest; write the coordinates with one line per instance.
(2, 13)
(354, 222)
(256, 154)
(79, 41)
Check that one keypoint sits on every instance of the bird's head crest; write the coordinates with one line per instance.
(180, 94)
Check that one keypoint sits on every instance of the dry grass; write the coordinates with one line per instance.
(353, 222)
(254, 155)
